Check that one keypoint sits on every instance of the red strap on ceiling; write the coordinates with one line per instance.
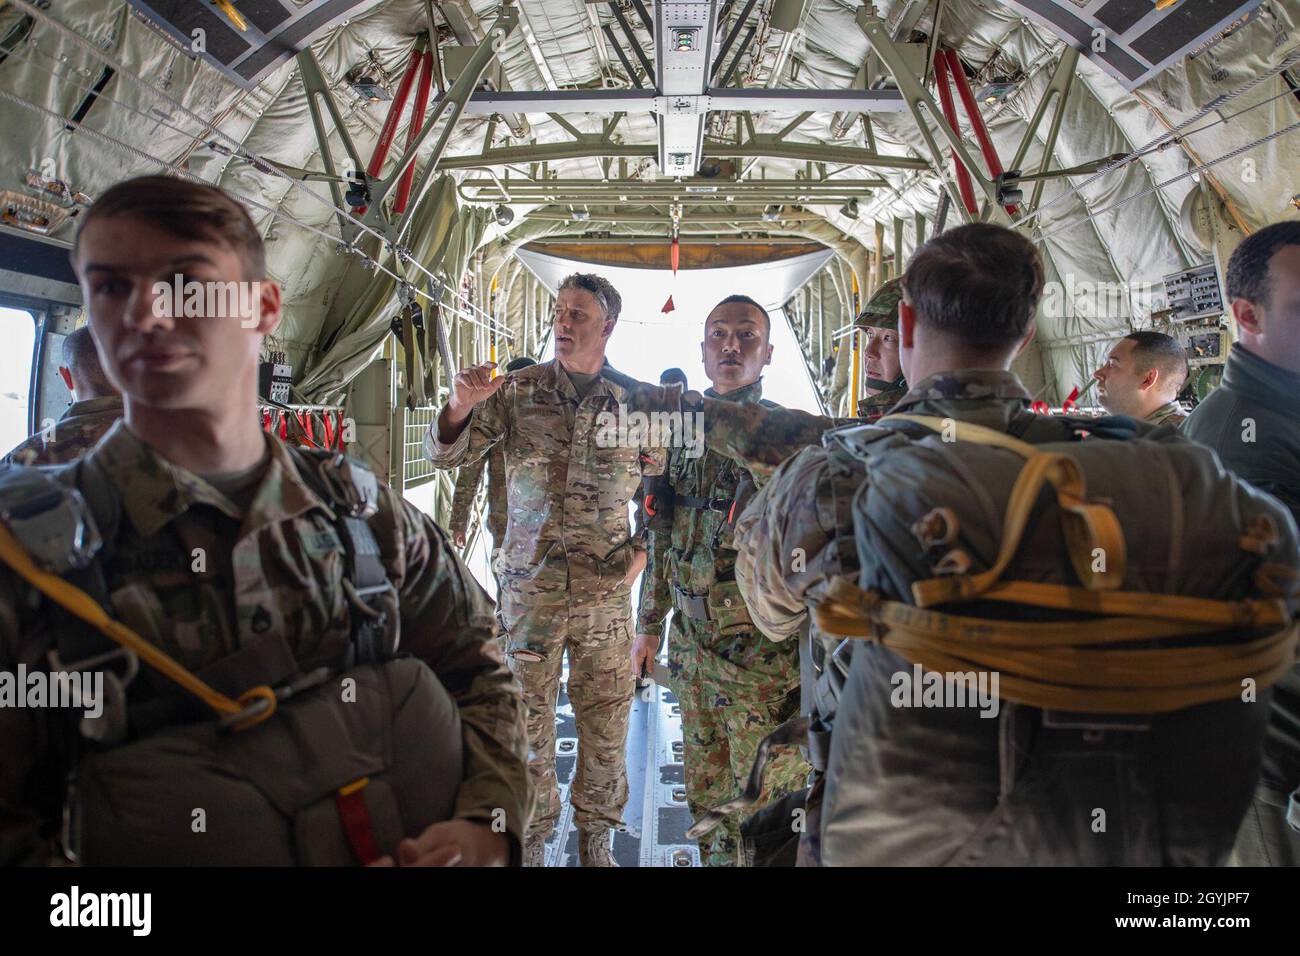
(950, 113)
(390, 122)
(413, 130)
(976, 119)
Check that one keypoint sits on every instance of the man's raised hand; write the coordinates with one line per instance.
(472, 385)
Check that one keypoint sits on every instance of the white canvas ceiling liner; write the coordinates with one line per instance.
(1137, 245)
(772, 284)
(356, 322)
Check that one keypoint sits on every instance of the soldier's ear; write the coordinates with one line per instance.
(1247, 316)
(269, 306)
(768, 360)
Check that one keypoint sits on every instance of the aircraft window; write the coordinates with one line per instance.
(18, 332)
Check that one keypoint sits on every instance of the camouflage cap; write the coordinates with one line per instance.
(881, 310)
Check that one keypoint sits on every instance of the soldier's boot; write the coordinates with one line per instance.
(594, 848)
(535, 850)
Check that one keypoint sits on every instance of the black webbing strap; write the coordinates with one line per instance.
(363, 572)
(368, 576)
(403, 326)
(704, 504)
(422, 347)
(843, 476)
(793, 731)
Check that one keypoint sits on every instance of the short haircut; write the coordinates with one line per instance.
(187, 210)
(516, 364)
(978, 283)
(599, 287)
(1248, 268)
(745, 300)
(1161, 352)
(672, 375)
(81, 359)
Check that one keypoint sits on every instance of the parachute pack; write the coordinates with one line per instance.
(252, 760)
(1133, 628)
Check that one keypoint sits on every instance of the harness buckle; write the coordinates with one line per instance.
(51, 521)
(694, 606)
(355, 489)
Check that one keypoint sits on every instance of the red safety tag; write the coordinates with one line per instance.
(355, 817)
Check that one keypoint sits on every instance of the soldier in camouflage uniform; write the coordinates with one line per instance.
(886, 383)
(1142, 377)
(569, 558)
(96, 405)
(191, 473)
(733, 686)
(991, 278)
(467, 479)
(759, 436)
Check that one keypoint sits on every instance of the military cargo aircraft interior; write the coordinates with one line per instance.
(634, 434)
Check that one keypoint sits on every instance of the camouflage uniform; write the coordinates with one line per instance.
(274, 567)
(568, 546)
(757, 436)
(1170, 413)
(761, 438)
(467, 479)
(74, 434)
(764, 539)
(734, 686)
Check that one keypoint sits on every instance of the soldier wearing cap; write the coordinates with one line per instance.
(879, 322)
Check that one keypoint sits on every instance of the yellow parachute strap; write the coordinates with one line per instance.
(82, 605)
(1059, 664)
(1091, 530)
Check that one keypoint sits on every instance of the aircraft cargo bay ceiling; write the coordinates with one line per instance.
(1140, 136)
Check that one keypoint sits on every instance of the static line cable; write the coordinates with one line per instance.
(236, 147)
(1167, 137)
(144, 157)
(1169, 182)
